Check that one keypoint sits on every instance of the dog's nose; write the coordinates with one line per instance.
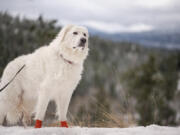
(83, 40)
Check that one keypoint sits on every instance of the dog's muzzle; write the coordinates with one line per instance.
(82, 42)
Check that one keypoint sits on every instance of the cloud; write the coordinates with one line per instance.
(118, 28)
(109, 16)
(154, 3)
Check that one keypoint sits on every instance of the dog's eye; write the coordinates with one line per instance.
(75, 33)
(84, 34)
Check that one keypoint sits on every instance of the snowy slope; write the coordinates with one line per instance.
(149, 130)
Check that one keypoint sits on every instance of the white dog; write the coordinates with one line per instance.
(50, 73)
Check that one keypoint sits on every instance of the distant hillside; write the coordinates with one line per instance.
(160, 39)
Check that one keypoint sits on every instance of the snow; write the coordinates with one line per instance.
(148, 130)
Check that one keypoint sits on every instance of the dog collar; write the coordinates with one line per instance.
(68, 61)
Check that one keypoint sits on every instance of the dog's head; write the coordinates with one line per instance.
(72, 42)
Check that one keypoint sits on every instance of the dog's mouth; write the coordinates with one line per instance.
(81, 45)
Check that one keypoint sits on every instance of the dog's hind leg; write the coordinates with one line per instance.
(13, 117)
(3, 112)
(2, 117)
(4, 107)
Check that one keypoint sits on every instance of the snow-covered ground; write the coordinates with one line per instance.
(149, 130)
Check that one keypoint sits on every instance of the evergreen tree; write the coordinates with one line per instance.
(153, 85)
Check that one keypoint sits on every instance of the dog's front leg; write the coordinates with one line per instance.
(41, 107)
(62, 106)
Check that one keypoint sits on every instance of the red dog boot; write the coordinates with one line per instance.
(64, 124)
(38, 124)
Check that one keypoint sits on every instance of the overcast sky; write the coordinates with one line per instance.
(105, 15)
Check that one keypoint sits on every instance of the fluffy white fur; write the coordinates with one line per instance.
(47, 76)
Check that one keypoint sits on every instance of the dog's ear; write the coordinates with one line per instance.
(64, 31)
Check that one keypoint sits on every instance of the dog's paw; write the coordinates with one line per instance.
(64, 124)
(38, 124)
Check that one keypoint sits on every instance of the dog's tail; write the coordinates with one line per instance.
(12, 78)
